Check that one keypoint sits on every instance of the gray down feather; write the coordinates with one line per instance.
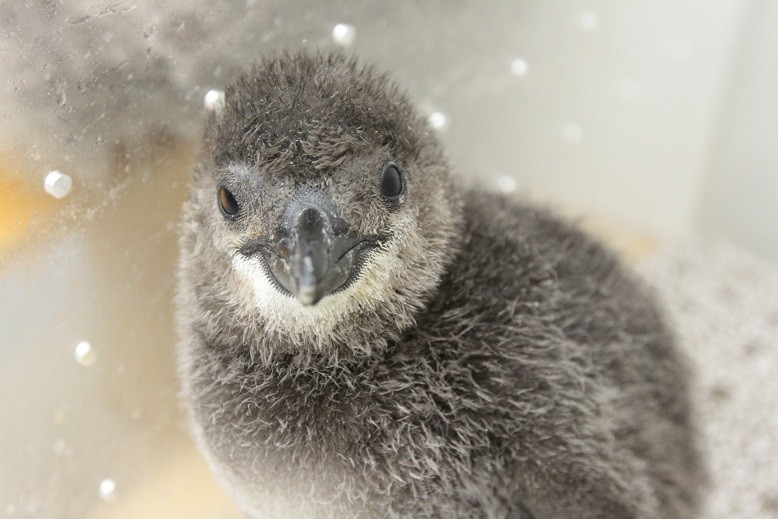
(490, 360)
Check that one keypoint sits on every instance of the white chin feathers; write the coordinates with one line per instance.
(284, 313)
(374, 288)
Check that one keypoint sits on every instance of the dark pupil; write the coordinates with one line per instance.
(227, 202)
(391, 183)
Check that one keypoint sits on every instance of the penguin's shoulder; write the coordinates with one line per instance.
(519, 259)
(526, 258)
(509, 242)
(503, 224)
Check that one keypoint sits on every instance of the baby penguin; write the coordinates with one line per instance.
(363, 338)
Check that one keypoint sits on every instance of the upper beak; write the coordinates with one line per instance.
(314, 254)
(314, 268)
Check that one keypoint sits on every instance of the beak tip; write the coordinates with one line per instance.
(306, 300)
(306, 294)
(307, 286)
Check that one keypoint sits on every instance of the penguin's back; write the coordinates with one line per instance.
(563, 305)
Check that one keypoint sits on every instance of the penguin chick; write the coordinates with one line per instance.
(363, 338)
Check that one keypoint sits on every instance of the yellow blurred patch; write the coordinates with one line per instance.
(21, 202)
(181, 485)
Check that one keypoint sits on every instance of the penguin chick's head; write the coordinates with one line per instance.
(321, 202)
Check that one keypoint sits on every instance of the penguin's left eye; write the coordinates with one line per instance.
(227, 203)
(392, 182)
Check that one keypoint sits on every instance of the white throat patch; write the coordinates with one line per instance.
(286, 314)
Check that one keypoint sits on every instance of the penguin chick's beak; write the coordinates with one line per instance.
(313, 255)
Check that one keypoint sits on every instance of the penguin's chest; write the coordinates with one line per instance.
(321, 450)
(290, 451)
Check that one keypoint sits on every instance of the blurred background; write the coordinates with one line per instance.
(655, 122)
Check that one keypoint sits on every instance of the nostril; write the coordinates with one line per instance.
(310, 221)
(309, 216)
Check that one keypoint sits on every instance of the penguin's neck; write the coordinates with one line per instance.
(312, 397)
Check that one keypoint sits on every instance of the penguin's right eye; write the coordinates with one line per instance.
(227, 203)
(392, 183)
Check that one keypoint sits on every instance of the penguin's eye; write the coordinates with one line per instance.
(392, 183)
(227, 202)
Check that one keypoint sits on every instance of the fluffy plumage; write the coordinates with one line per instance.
(490, 360)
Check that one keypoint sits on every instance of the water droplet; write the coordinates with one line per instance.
(214, 100)
(33, 505)
(57, 184)
(344, 34)
(85, 354)
(60, 446)
(506, 184)
(108, 490)
(572, 133)
(437, 120)
(519, 67)
(589, 22)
